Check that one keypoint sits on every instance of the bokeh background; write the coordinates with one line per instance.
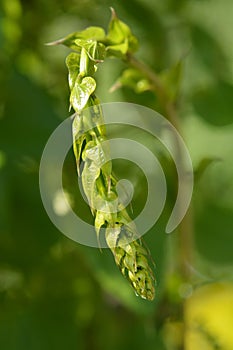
(57, 294)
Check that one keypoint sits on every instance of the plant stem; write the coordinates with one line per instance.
(184, 240)
(168, 107)
(170, 110)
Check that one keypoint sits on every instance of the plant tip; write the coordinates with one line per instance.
(114, 15)
(54, 43)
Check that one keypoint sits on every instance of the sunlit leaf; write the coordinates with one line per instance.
(107, 204)
(95, 50)
(90, 33)
(99, 221)
(81, 93)
(72, 63)
(96, 153)
(119, 36)
(99, 153)
(89, 176)
(118, 31)
(118, 50)
(78, 138)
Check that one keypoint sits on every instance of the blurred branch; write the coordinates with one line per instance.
(184, 239)
(170, 110)
(168, 107)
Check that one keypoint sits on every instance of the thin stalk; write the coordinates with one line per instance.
(170, 110)
(184, 239)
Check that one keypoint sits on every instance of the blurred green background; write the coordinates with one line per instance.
(55, 293)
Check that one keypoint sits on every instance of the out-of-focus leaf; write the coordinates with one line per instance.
(133, 79)
(208, 50)
(13, 9)
(215, 104)
(209, 317)
(176, 6)
(214, 238)
(81, 93)
(171, 79)
(202, 166)
(2, 159)
(153, 33)
(114, 284)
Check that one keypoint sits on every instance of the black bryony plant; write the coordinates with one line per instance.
(90, 48)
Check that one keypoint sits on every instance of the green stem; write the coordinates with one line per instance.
(158, 87)
(170, 110)
(184, 240)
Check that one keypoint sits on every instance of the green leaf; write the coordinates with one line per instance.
(99, 221)
(91, 33)
(202, 166)
(118, 51)
(77, 147)
(133, 79)
(171, 79)
(112, 235)
(208, 50)
(98, 153)
(87, 66)
(72, 63)
(119, 39)
(89, 176)
(118, 31)
(215, 103)
(78, 139)
(96, 51)
(108, 206)
(81, 93)
(97, 115)
(214, 224)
